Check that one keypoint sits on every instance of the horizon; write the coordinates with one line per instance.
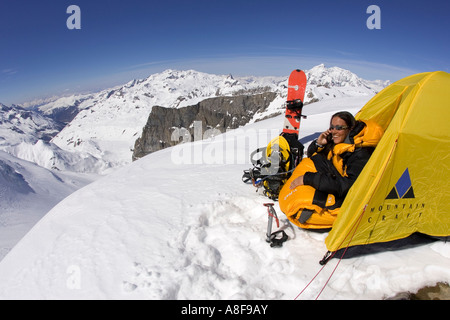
(38, 100)
(112, 43)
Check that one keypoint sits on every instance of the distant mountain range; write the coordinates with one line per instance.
(105, 125)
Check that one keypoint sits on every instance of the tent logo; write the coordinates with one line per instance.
(403, 188)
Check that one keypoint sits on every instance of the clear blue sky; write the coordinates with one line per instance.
(122, 40)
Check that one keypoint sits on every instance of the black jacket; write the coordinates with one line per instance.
(329, 180)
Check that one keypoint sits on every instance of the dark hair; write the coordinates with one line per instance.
(347, 117)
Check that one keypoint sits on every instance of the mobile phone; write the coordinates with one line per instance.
(329, 137)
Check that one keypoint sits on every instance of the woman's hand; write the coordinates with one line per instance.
(322, 139)
(296, 182)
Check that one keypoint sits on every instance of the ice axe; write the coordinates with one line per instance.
(272, 237)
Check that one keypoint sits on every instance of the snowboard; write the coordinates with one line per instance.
(294, 102)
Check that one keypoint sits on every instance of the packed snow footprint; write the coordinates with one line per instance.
(207, 247)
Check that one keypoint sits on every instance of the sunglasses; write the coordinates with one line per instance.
(339, 128)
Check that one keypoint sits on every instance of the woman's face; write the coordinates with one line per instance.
(339, 130)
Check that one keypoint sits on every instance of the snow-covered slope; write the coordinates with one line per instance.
(49, 155)
(26, 134)
(27, 193)
(19, 125)
(180, 224)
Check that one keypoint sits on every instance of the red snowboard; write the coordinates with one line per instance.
(294, 104)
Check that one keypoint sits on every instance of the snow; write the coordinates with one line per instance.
(27, 193)
(180, 224)
(50, 156)
(19, 125)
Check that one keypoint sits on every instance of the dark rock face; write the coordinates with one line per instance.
(219, 113)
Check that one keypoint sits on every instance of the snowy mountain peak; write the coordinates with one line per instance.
(333, 77)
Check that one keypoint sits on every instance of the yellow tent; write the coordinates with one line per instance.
(404, 188)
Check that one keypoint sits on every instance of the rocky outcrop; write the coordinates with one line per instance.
(219, 113)
(440, 291)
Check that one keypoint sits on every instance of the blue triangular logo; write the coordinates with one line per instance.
(403, 188)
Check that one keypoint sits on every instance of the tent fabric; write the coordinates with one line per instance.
(404, 188)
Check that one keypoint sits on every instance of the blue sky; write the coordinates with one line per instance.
(122, 40)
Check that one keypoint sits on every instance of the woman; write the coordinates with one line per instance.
(335, 160)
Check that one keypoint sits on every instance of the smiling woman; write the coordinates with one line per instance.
(311, 198)
(340, 126)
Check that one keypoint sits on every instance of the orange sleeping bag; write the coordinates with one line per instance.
(305, 206)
